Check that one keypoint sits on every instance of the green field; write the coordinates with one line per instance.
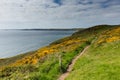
(98, 63)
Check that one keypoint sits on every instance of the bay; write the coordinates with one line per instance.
(14, 42)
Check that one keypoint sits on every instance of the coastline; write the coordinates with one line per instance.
(27, 41)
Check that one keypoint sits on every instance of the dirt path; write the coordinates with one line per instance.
(70, 67)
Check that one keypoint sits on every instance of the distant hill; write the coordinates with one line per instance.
(69, 29)
(100, 62)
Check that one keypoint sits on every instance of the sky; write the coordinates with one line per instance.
(18, 14)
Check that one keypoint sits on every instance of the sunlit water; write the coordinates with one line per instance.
(14, 42)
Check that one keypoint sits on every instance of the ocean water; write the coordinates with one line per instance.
(14, 42)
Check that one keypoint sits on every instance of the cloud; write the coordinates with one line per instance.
(58, 13)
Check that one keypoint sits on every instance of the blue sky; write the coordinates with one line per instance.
(58, 13)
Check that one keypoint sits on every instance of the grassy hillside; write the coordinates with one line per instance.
(102, 60)
(49, 62)
(11, 60)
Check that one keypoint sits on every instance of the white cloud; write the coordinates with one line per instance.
(47, 13)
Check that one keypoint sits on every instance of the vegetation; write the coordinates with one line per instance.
(49, 62)
(102, 60)
(48, 69)
(10, 60)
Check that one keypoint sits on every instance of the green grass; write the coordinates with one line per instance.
(47, 70)
(52, 71)
(98, 63)
(7, 61)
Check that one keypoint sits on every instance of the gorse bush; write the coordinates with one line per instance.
(109, 36)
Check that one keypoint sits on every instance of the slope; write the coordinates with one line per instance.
(102, 60)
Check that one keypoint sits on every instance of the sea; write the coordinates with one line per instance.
(15, 42)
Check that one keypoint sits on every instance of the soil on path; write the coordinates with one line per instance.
(70, 67)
